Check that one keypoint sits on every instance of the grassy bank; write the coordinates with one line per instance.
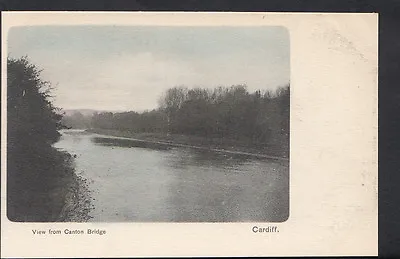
(37, 183)
(39, 188)
(209, 143)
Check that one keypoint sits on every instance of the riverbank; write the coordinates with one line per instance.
(76, 199)
(40, 189)
(215, 144)
(77, 202)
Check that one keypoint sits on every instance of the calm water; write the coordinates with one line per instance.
(131, 181)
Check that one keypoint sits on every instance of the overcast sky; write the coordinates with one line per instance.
(129, 67)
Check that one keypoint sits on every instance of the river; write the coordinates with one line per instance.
(132, 182)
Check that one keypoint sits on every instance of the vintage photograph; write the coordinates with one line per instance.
(175, 134)
(148, 123)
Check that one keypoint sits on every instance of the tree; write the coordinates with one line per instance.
(226, 114)
(31, 113)
(171, 102)
(33, 165)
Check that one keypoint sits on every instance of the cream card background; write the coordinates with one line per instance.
(333, 155)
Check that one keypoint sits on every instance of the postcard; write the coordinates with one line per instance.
(189, 134)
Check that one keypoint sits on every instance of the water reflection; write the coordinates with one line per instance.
(211, 188)
(128, 143)
(181, 158)
(140, 181)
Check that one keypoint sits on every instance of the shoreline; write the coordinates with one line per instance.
(195, 142)
(77, 200)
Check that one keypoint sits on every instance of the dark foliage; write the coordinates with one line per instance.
(34, 168)
(260, 119)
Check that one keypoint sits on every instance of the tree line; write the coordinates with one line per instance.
(228, 112)
(260, 118)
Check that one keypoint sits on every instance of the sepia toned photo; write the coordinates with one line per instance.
(148, 124)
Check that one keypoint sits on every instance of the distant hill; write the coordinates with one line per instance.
(80, 118)
(84, 112)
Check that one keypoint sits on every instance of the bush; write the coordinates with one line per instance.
(34, 168)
